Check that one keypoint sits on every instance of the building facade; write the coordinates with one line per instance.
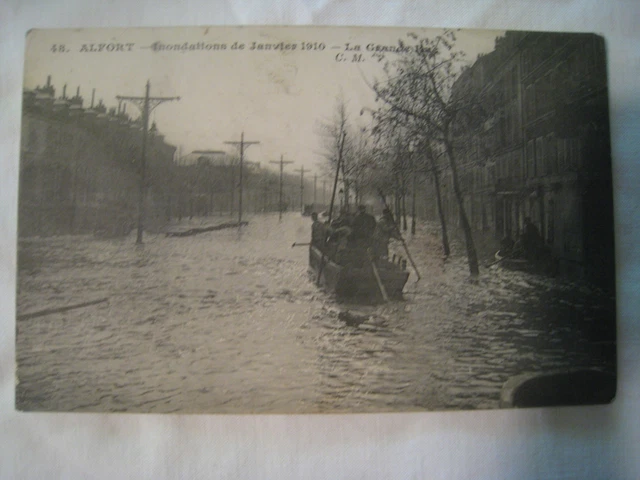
(80, 167)
(542, 150)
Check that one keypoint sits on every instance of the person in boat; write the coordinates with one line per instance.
(318, 232)
(337, 246)
(363, 226)
(360, 240)
(385, 230)
(342, 220)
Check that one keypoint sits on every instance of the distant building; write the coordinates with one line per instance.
(210, 184)
(218, 158)
(79, 167)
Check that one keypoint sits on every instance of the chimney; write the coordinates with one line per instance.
(78, 91)
(93, 96)
(119, 107)
(48, 80)
(64, 91)
(124, 108)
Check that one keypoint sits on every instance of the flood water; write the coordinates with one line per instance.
(230, 321)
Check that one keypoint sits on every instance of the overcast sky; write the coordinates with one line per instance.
(276, 97)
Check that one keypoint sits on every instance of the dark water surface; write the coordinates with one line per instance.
(230, 321)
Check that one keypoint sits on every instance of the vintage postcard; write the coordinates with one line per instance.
(311, 219)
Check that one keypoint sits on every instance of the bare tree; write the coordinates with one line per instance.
(423, 157)
(419, 86)
(435, 170)
(355, 152)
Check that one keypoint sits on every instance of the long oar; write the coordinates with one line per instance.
(404, 244)
(376, 274)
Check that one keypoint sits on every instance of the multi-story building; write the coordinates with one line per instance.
(542, 150)
(567, 178)
(79, 168)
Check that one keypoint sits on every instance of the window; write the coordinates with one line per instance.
(550, 161)
(544, 93)
(503, 127)
(561, 153)
(540, 97)
(526, 62)
(539, 168)
(530, 101)
(516, 162)
(552, 153)
(515, 119)
(531, 160)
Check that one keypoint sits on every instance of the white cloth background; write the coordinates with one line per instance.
(581, 442)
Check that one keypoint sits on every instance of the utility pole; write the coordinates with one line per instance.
(146, 105)
(324, 192)
(242, 144)
(282, 163)
(232, 185)
(301, 170)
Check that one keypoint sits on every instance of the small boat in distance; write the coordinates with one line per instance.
(358, 282)
(544, 264)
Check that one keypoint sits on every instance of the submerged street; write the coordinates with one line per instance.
(231, 321)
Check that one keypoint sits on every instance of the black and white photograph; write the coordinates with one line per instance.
(235, 220)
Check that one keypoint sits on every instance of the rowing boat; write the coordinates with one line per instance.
(358, 282)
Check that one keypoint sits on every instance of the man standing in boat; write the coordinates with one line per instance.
(385, 230)
(363, 226)
(342, 220)
(318, 232)
(360, 238)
